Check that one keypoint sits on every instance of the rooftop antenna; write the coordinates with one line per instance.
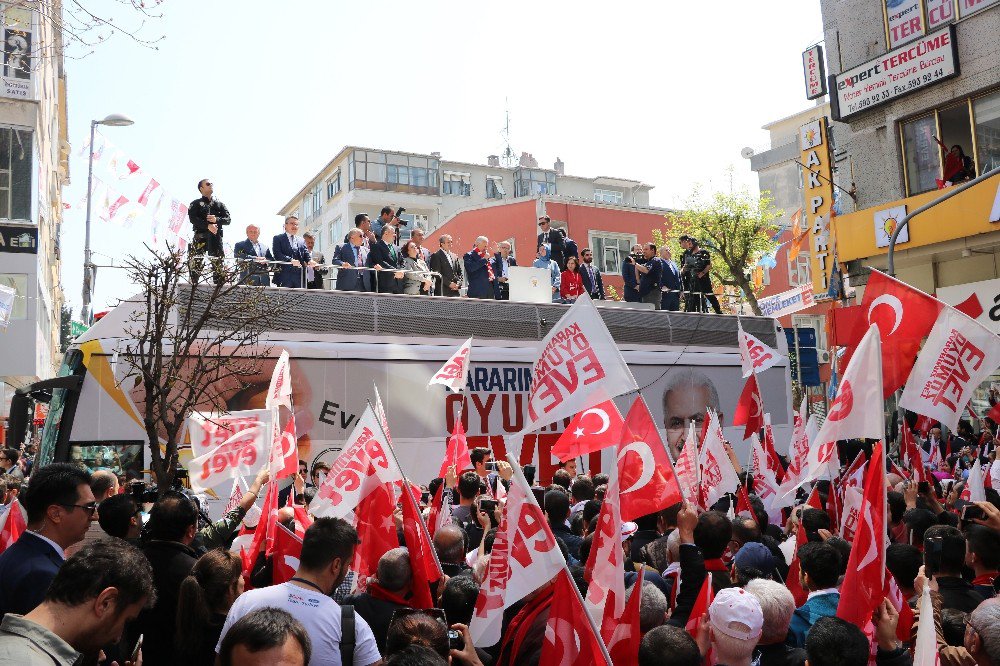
(508, 159)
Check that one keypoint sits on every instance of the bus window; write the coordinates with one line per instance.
(72, 365)
(119, 457)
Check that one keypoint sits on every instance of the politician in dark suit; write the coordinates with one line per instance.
(590, 275)
(386, 257)
(288, 247)
(60, 506)
(501, 263)
(555, 240)
(478, 271)
(314, 274)
(650, 270)
(670, 278)
(449, 265)
(630, 277)
(349, 254)
(251, 252)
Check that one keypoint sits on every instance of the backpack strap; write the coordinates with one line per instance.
(347, 636)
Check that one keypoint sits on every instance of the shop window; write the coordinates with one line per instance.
(986, 111)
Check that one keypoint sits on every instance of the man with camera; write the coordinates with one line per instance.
(697, 266)
(631, 276)
(388, 218)
(207, 215)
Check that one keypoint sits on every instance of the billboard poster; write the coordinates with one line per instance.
(939, 13)
(904, 20)
(818, 189)
(17, 63)
(916, 65)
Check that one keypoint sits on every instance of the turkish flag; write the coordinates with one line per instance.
(864, 584)
(457, 453)
(624, 645)
(994, 413)
(284, 459)
(287, 551)
(895, 597)
(591, 430)
(423, 562)
(912, 452)
(605, 568)
(376, 528)
(904, 316)
(646, 476)
(749, 410)
(705, 598)
(12, 524)
(854, 477)
(925, 423)
(569, 637)
(794, 580)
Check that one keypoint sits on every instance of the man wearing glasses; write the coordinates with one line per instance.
(8, 463)
(60, 507)
(207, 215)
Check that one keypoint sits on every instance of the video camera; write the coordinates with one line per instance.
(400, 211)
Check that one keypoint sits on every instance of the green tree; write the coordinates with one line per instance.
(737, 228)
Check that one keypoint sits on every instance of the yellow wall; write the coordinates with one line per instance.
(966, 214)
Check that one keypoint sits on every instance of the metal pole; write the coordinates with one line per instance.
(88, 279)
(890, 268)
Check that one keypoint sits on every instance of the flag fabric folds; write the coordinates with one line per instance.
(648, 482)
(454, 373)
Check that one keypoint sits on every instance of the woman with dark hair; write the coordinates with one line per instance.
(571, 284)
(957, 165)
(204, 600)
(413, 281)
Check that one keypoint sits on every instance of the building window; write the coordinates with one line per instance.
(609, 196)
(15, 174)
(459, 184)
(986, 111)
(317, 199)
(532, 182)
(372, 170)
(413, 221)
(19, 283)
(798, 270)
(333, 185)
(610, 249)
(337, 231)
(494, 187)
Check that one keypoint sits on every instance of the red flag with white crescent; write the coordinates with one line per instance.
(569, 637)
(12, 525)
(749, 410)
(647, 480)
(605, 568)
(457, 452)
(591, 430)
(624, 644)
(287, 551)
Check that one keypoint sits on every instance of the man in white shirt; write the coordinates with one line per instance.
(327, 551)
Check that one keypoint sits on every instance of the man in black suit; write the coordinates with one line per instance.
(449, 265)
(502, 261)
(388, 262)
(590, 275)
(570, 248)
(255, 257)
(60, 507)
(291, 249)
(350, 256)
(207, 215)
(314, 274)
(555, 240)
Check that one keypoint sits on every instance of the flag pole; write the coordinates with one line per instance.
(530, 499)
(406, 486)
(885, 495)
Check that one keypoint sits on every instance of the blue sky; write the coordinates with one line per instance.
(259, 96)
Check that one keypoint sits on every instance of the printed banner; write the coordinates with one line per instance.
(208, 430)
(904, 20)
(787, 302)
(240, 455)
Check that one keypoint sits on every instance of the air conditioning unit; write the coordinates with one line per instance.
(823, 355)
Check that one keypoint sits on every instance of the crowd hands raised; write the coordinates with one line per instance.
(155, 568)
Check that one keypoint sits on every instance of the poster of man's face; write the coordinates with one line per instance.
(17, 54)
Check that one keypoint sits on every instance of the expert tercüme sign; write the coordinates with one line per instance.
(917, 64)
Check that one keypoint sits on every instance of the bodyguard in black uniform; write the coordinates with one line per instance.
(207, 215)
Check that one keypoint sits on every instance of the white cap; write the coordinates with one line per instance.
(733, 609)
(629, 529)
(252, 517)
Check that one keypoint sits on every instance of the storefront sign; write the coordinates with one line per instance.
(18, 239)
(904, 20)
(939, 13)
(818, 187)
(910, 67)
(787, 302)
(814, 72)
(17, 64)
(966, 7)
(886, 222)
(979, 300)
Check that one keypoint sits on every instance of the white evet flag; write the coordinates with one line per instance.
(280, 390)
(455, 372)
(579, 366)
(925, 649)
(242, 454)
(7, 296)
(716, 475)
(754, 354)
(977, 484)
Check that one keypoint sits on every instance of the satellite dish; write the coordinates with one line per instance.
(747, 153)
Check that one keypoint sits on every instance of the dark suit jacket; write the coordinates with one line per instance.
(255, 274)
(650, 281)
(26, 569)
(390, 260)
(450, 270)
(595, 290)
(171, 562)
(497, 264)
(571, 250)
(318, 273)
(628, 274)
(478, 275)
(348, 279)
(557, 246)
(670, 277)
(289, 276)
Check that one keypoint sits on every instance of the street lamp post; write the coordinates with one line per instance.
(114, 120)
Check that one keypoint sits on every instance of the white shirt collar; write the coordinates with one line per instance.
(55, 546)
(829, 590)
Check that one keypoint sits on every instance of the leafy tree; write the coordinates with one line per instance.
(65, 329)
(737, 228)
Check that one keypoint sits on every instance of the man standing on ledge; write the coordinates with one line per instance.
(207, 215)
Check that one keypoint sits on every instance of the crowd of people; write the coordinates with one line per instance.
(108, 573)
(374, 258)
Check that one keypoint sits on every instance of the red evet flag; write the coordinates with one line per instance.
(280, 390)
(302, 519)
(754, 354)
(911, 450)
(284, 458)
(591, 430)
(925, 423)
(624, 645)
(457, 453)
(856, 412)
(287, 551)
(687, 469)
(904, 316)
(864, 583)
(569, 637)
(524, 557)
(705, 598)
(749, 410)
(454, 373)
(440, 512)
(895, 597)
(716, 473)
(798, 456)
(765, 485)
(773, 461)
(12, 524)
(423, 562)
(605, 568)
(854, 477)
(648, 482)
